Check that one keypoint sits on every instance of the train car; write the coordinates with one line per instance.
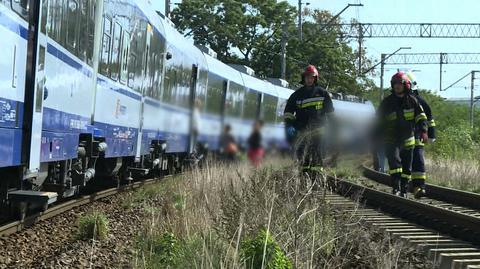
(227, 81)
(14, 33)
(254, 91)
(211, 109)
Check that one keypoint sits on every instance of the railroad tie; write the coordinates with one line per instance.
(446, 259)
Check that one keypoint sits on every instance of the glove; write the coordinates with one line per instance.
(424, 137)
(291, 132)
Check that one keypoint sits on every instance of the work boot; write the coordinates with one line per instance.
(419, 192)
(395, 185)
(403, 187)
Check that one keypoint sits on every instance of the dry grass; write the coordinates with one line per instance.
(207, 218)
(459, 174)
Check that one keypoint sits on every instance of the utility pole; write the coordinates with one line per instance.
(472, 87)
(300, 26)
(167, 8)
(442, 57)
(284, 51)
(382, 71)
(360, 44)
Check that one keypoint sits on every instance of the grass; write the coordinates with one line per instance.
(459, 174)
(93, 225)
(234, 216)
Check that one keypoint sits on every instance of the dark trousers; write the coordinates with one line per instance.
(418, 167)
(400, 166)
(309, 149)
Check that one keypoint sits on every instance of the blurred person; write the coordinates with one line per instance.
(400, 117)
(228, 145)
(256, 151)
(419, 174)
(306, 113)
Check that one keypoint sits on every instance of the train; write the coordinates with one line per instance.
(92, 90)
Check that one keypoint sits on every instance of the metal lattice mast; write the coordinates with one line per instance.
(406, 30)
(409, 30)
(433, 58)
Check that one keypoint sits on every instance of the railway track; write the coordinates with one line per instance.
(443, 251)
(56, 210)
(445, 224)
(455, 197)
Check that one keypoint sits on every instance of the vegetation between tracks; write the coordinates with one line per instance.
(93, 225)
(240, 217)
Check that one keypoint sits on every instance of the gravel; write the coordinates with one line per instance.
(52, 243)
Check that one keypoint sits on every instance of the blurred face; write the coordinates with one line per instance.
(309, 80)
(398, 89)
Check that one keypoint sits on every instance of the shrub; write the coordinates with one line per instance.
(93, 226)
(263, 248)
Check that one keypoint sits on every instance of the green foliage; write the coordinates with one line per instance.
(144, 194)
(159, 250)
(455, 138)
(250, 32)
(263, 245)
(93, 226)
(232, 25)
(169, 251)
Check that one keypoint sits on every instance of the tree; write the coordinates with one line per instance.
(234, 29)
(250, 32)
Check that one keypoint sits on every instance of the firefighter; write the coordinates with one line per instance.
(418, 165)
(401, 116)
(306, 113)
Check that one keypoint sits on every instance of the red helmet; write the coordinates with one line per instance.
(401, 78)
(310, 70)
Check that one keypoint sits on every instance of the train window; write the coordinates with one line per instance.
(116, 52)
(170, 83)
(201, 89)
(21, 7)
(72, 25)
(5, 2)
(86, 42)
(106, 46)
(234, 100)
(132, 63)
(269, 108)
(43, 25)
(280, 109)
(52, 22)
(137, 49)
(214, 94)
(152, 91)
(250, 109)
(124, 57)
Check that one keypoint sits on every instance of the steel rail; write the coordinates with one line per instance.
(454, 196)
(16, 226)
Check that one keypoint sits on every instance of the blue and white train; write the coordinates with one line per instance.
(96, 89)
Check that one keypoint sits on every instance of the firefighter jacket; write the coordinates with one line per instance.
(307, 108)
(428, 112)
(400, 118)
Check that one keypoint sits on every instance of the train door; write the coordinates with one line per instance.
(194, 117)
(34, 91)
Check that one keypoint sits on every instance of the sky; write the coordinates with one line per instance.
(411, 11)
